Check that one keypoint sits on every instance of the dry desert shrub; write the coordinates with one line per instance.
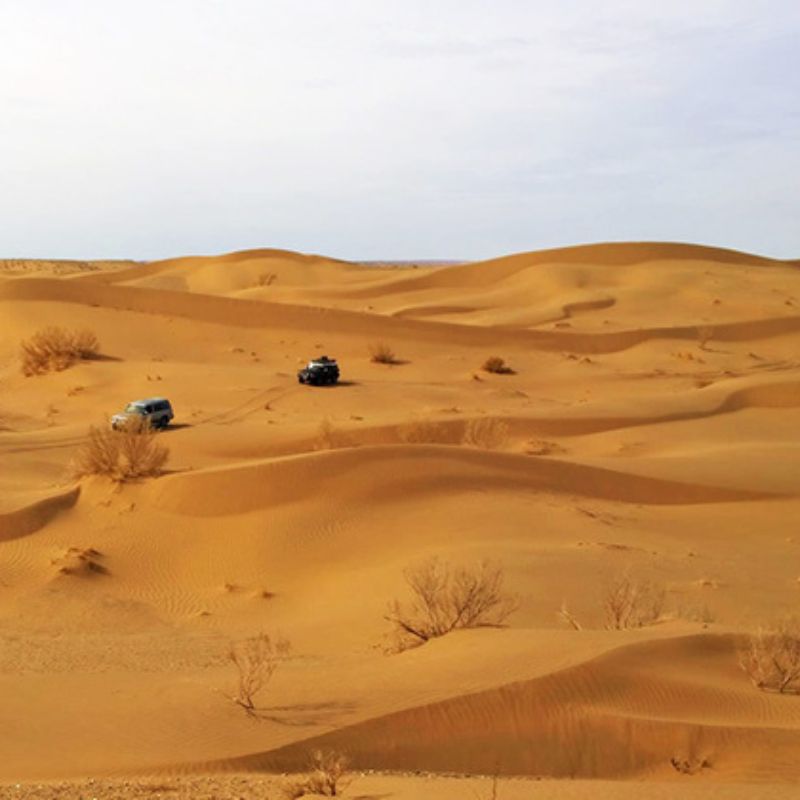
(705, 333)
(486, 433)
(630, 603)
(122, 455)
(565, 615)
(54, 349)
(446, 598)
(326, 777)
(256, 660)
(382, 353)
(85, 344)
(266, 279)
(772, 658)
(497, 366)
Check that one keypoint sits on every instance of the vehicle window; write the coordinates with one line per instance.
(132, 408)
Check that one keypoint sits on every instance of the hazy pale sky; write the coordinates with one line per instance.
(396, 128)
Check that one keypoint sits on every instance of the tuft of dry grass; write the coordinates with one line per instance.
(444, 599)
(497, 366)
(772, 657)
(565, 615)
(122, 455)
(54, 349)
(486, 433)
(266, 279)
(326, 777)
(256, 660)
(382, 353)
(630, 603)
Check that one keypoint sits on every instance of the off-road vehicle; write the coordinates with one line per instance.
(319, 371)
(156, 410)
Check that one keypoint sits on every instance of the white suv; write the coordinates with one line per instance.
(156, 410)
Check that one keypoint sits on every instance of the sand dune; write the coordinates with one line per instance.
(357, 475)
(647, 427)
(611, 717)
(281, 316)
(30, 518)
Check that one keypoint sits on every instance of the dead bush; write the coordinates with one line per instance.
(497, 366)
(487, 433)
(445, 599)
(121, 455)
(54, 349)
(705, 333)
(266, 279)
(772, 658)
(85, 344)
(256, 660)
(630, 603)
(565, 615)
(382, 353)
(327, 776)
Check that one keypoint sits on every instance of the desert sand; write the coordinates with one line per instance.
(649, 429)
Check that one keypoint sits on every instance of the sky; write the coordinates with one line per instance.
(396, 129)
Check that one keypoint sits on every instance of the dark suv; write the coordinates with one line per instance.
(320, 371)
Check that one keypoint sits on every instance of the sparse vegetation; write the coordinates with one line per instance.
(54, 349)
(266, 279)
(497, 366)
(630, 603)
(123, 455)
(772, 657)
(487, 433)
(446, 598)
(256, 660)
(705, 333)
(382, 353)
(326, 777)
(567, 616)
